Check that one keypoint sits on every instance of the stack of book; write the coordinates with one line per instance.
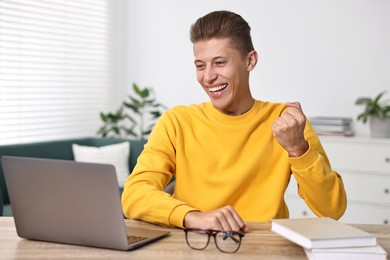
(341, 126)
(325, 238)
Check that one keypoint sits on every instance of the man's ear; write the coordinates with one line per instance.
(252, 60)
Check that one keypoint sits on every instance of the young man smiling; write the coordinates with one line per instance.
(232, 157)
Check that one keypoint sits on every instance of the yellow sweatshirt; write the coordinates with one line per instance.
(221, 160)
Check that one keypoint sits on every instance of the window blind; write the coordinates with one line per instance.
(54, 68)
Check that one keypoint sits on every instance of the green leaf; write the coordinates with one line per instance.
(156, 114)
(376, 100)
(136, 89)
(144, 93)
(116, 130)
(103, 117)
(134, 107)
(362, 101)
(362, 117)
(146, 132)
(131, 132)
(157, 105)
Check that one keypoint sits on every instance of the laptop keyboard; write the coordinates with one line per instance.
(134, 239)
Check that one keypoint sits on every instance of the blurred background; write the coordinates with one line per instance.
(64, 62)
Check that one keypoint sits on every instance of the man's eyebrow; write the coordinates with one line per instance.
(219, 57)
(215, 58)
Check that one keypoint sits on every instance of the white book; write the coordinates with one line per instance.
(331, 128)
(347, 253)
(342, 121)
(322, 233)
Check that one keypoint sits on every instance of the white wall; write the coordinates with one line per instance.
(323, 53)
(118, 46)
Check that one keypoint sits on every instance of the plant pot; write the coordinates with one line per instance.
(380, 128)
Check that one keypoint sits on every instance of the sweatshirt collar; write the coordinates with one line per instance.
(249, 115)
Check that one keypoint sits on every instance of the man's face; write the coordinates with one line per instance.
(224, 75)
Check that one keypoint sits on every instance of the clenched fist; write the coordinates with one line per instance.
(288, 130)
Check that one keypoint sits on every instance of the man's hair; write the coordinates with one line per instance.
(223, 24)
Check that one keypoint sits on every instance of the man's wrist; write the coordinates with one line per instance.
(188, 218)
(300, 150)
(178, 214)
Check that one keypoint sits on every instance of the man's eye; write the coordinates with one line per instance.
(199, 66)
(220, 63)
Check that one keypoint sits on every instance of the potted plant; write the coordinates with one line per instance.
(377, 112)
(135, 117)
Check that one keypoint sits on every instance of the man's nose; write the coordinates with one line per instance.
(210, 75)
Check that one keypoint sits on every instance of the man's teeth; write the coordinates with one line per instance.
(218, 88)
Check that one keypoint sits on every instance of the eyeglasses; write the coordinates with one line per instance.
(225, 241)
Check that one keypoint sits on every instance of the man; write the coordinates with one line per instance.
(232, 157)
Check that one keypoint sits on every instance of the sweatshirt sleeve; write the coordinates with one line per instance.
(143, 196)
(320, 186)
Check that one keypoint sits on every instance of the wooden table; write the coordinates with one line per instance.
(259, 243)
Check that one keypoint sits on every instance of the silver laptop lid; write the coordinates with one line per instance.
(65, 201)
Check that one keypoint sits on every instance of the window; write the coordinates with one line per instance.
(54, 68)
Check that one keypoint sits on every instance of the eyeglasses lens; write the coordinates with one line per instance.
(197, 239)
(228, 242)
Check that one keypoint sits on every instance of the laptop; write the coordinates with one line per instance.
(70, 202)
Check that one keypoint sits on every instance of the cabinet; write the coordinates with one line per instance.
(364, 164)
